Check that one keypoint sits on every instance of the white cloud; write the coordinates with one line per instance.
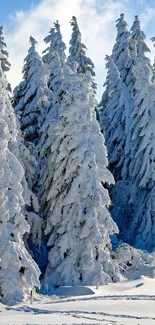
(96, 19)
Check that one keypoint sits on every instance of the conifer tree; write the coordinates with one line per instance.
(116, 109)
(56, 45)
(54, 57)
(138, 37)
(121, 53)
(18, 272)
(116, 121)
(60, 45)
(30, 96)
(75, 198)
(30, 103)
(5, 64)
(112, 101)
(77, 52)
(142, 165)
(54, 82)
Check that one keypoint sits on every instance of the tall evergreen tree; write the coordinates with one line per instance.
(77, 52)
(54, 57)
(60, 45)
(55, 79)
(116, 121)
(30, 96)
(56, 45)
(30, 103)
(75, 198)
(116, 109)
(142, 164)
(18, 272)
(5, 64)
(121, 53)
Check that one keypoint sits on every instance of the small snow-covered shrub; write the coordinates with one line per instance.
(130, 258)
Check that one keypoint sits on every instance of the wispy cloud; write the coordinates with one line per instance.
(96, 20)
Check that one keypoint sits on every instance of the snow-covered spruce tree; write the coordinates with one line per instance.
(77, 52)
(116, 121)
(18, 272)
(55, 79)
(116, 107)
(75, 197)
(30, 103)
(31, 210)
(122, 54)
(138, 37)
(143, 163)
(54, 57)
(5, 64)
(30, 96)
(56, 45)
(112, 100)
(60, 45)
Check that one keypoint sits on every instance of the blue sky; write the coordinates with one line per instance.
(10, 6)
(22, 18)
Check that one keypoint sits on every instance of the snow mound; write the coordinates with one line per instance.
(73, 291)
(141, 286)
(147, 271)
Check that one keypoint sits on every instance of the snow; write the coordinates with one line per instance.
(126, 303)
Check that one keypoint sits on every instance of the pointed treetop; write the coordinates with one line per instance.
(49, 38)
(73, 21)
(136, 26)
(32, 41)
(32, 56)
(4, 54)
(57, 26)
(121, 26)
(77, 51)
(56, 44)
(121, 18)
(61, 47)
(121, 51)
(138, 36)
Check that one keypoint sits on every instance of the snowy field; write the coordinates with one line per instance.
(127, 303)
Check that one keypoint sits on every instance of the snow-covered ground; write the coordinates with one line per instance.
(127, 303)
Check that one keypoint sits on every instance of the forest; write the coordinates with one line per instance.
(77, 177)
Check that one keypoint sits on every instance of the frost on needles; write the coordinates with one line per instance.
(18, 272)
(78, 222)
(54, 152)
(77, 52)
(30, 97)
(127, 122)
